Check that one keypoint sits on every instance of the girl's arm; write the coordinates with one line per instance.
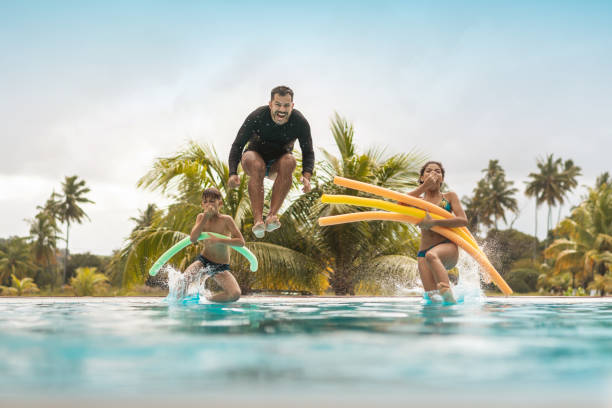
(459, 220)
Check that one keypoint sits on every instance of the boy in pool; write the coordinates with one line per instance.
(436, 253)
(214, 258)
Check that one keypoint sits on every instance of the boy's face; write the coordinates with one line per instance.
(210, 204)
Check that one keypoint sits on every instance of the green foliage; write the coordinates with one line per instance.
(68, 207)
(506, 247)
(584, 244)
(86, 260)
(88, 282)
(301, 256)
(15, 259)
(20, 287)
(492, 197)
(523, 280)
(602, 284)
(552, 183)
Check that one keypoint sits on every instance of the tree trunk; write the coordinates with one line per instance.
(66, 253)
(535, 242)
(341, 282)
(549, 221)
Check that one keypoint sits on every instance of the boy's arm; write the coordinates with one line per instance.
(197, 228)
(236, 237)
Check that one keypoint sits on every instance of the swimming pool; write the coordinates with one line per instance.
(272, 351)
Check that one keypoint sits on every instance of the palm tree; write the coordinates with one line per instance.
(568, 182)
(146, 217)
(20, 286)
(353, 253)
(88, 282)
(493, 196)
(43, 237)
(15, 259)
(585, 244)
(183, 177)
(69, 210)
(603, 178)
(549, 184)
(43, 234)
(301, 255)
(500, 192)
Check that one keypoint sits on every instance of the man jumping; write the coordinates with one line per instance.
(271, 131)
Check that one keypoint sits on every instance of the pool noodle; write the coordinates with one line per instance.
(403, 198)
(446, 232)
(244, 251)
(385, 205)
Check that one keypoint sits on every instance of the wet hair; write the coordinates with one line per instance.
(211, 192)
(422, 172)
(281, 91)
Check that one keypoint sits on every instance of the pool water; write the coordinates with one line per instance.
(310, 351)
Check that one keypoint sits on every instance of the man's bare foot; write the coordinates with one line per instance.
(259, 229)
(272, 223)
(446, 292)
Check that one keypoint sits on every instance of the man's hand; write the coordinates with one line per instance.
(233, 181)
(306, 182)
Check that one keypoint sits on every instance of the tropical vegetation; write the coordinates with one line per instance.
(583, 244)
(362, 258)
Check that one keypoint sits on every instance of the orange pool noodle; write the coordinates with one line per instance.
(447, 233)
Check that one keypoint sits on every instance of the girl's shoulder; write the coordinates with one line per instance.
(450, 195)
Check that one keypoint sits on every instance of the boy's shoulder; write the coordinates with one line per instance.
(226, 218)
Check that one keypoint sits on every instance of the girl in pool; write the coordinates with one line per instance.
(437, 254)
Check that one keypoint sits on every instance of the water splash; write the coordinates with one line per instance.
(468, 287)
(182, 291)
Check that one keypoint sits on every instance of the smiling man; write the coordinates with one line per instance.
(270, 132)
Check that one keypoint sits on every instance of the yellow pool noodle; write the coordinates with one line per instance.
(446, 232)
(403, 198)
(385, 205)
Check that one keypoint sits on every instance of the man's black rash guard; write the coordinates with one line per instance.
(272, 141)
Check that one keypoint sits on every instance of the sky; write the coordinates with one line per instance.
(100, 89)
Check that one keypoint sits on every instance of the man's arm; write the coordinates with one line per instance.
(308, 157)
(244, 134)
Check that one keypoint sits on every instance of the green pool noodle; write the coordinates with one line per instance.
(244, 251)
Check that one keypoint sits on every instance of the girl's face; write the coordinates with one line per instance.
(433, 170)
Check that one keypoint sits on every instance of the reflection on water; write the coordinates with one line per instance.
(548, 347)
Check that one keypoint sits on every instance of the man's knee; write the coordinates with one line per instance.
(287, 163)
(253, 164)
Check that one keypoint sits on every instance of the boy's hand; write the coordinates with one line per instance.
(212, 240)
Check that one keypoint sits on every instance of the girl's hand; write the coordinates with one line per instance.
(427, 222)
(430, 181)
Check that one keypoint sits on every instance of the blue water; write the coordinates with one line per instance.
(393, 350)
